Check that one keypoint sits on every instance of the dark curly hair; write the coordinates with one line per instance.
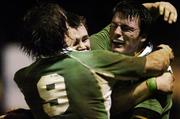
(44, 29)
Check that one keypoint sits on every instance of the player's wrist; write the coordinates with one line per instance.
(151, 84)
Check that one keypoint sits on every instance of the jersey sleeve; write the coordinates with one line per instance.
(121, 65)
(101, 40)
(113, 65)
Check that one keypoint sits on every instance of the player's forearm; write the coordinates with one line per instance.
(139, 93)
(127, 97)
(142, 91)
(130, 97)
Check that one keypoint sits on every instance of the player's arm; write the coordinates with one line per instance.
(117, 66)
(154, 64)
(139, 92)
(100, 40)
(164, 8)
(122, 67)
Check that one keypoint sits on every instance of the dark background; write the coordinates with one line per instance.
(98, 14)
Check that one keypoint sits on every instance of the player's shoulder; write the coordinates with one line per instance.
(89, 53)
(94, 53)
(19, 73)
(23, 72)
(104, 53)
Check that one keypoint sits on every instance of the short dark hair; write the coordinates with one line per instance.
(44, 26)
(75, 20)
(129, 8)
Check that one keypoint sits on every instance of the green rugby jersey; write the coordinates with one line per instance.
(160, 103)
(76, 85)
(101, 40)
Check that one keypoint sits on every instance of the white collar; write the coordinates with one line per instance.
(147, 50)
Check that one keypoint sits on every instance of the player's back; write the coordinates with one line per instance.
(64, 87)
(76, 84)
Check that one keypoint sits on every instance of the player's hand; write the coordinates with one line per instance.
(166, 9)
(167, 50)
(165, 82)
(159, 60)
(165, 54)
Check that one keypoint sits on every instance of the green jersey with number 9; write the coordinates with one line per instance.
(75, 85)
